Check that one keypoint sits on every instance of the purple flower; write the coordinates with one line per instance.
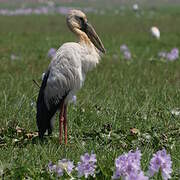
(128, 166)
(139, 176)
(50, 8)
(51, 167)
(66, 165)
(59, 172)
(123, 48)
(51, 53)
(74, 99)
(175, 51)
(87, 165)
(171, 56)
(63, 165)
(161, 161)
(127, 55)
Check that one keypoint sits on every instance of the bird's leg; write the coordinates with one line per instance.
(65, 124)
(61, 120)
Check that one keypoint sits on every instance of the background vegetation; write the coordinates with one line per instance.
(117, 96)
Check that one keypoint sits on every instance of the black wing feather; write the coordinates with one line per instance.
(44, 115)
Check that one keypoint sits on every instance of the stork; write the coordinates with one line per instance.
(66, 73)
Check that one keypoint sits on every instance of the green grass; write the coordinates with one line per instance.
(116, 97)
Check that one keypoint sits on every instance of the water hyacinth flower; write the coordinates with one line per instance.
(51, 53)
(63, 165)
(124, 48)
(86, 167)
(73, 100)
(175, 51)
(171, 56)
(128, 167)
(127, 55)
(161, 161)
(139, 176)
(49, 9)
(51, 167)
(59, 172)
(66, 165)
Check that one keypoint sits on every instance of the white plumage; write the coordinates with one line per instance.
(68, 69)
(155, 32)
(66, 72)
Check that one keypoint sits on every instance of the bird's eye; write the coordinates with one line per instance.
(81, 18)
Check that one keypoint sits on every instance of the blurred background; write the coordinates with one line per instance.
(50, 6)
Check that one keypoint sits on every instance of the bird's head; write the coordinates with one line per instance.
(78, 23)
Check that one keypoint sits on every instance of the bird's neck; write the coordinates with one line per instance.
(91, 56)
(83, 38)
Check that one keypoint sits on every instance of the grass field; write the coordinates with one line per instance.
(118, 95)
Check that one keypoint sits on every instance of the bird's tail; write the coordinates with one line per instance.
(44, 115)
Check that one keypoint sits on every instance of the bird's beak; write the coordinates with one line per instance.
(91, 33)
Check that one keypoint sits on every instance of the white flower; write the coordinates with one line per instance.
(175, 111)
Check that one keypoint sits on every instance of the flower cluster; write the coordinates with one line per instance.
(50, 9)
(126, 53)
(86, 167)
(170, 56)
(63, 165)
(127, 166)
(73, 100)
(161, 161)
